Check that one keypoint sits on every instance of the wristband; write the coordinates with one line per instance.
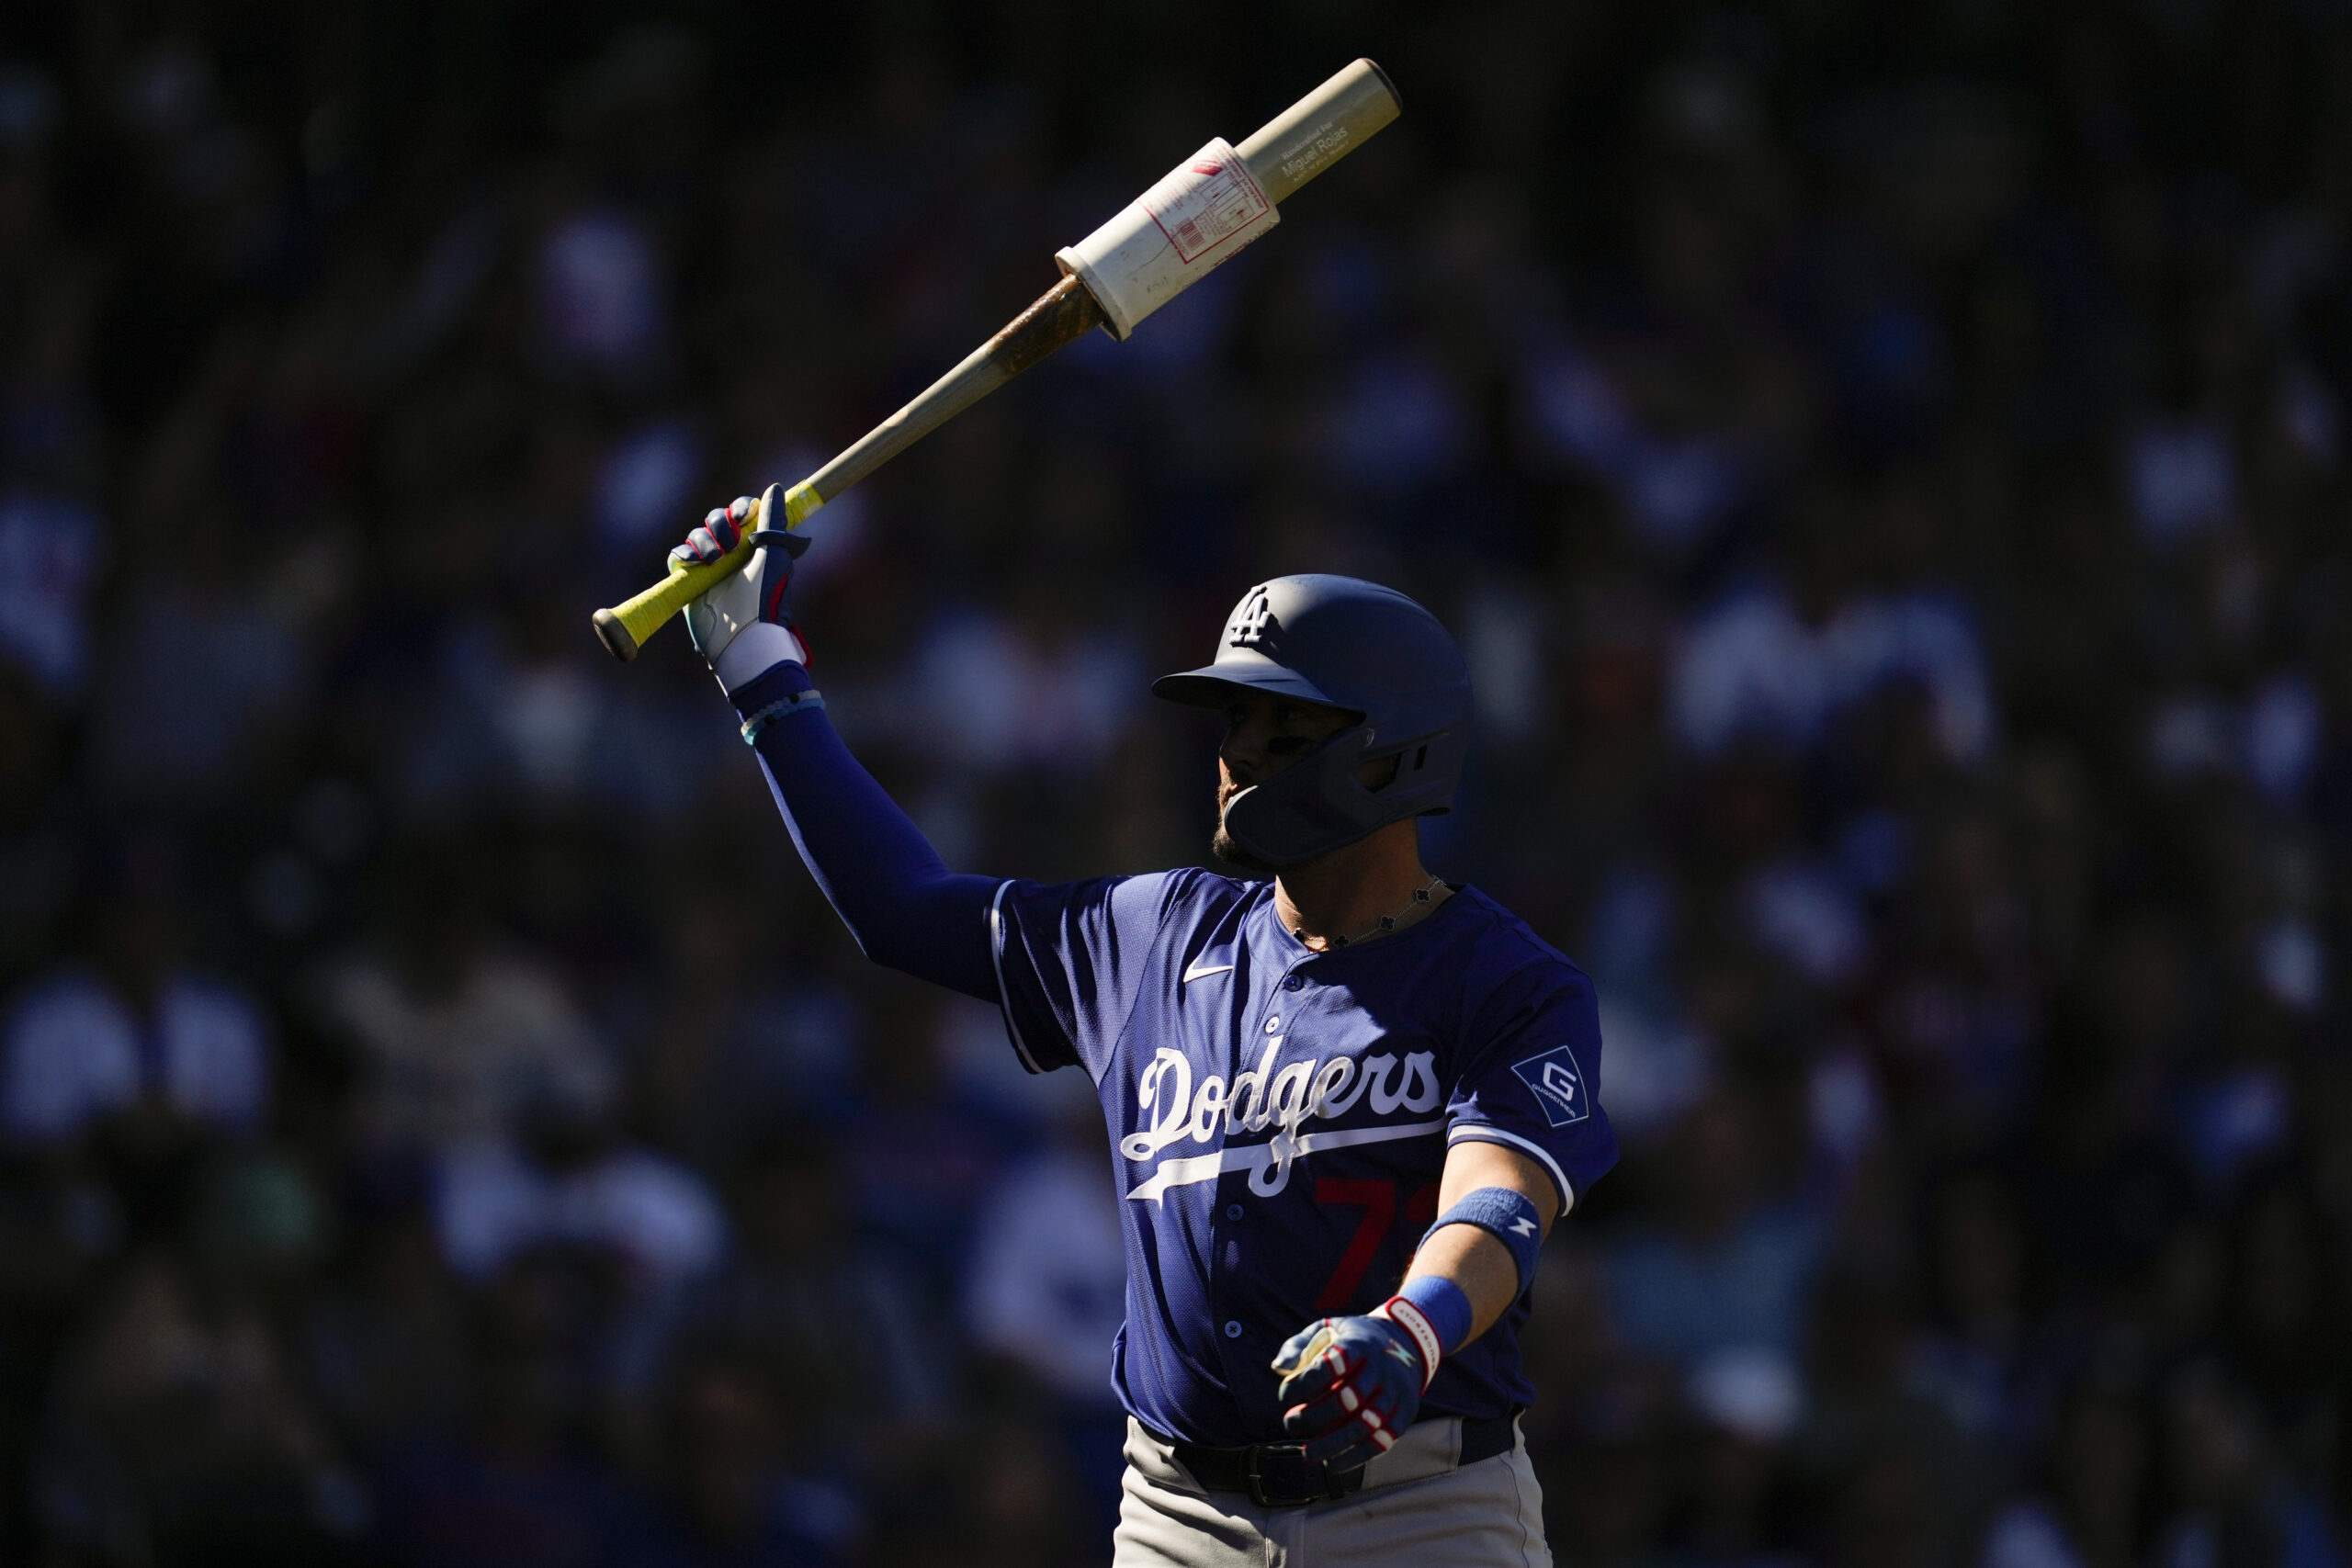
(780, 683)
(1444, 1303)
(1504, 1213)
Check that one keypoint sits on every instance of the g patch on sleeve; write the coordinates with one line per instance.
(1558, 1084)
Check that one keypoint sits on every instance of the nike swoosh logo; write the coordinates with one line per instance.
(1197, 970)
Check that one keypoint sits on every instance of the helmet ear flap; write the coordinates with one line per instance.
(1317, 804)
(1311, 807)
(1428, 769)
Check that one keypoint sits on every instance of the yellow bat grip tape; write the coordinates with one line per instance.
(625, 627)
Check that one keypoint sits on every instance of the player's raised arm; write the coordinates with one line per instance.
(901, 902)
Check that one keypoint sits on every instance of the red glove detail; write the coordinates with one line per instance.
(721, 531)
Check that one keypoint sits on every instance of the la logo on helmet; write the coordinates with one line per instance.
(1249, 622)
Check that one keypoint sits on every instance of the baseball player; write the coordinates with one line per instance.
(1346, 1098)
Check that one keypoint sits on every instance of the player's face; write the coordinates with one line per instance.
(1264, 735)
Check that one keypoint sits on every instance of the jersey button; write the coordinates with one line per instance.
(1233, 1211)
(1233, 1331)
(1295, 983)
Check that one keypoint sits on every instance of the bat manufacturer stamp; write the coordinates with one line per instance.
(1207, 201)
(1190, 222)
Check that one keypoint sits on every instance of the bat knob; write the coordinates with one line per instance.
(616, 635)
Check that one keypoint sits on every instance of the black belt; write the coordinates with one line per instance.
(1279, 1475)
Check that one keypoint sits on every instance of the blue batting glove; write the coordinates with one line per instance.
(1350, 1386)
(743, 627)
(721, 531)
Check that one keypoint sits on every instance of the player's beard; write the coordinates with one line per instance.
(1222, 845)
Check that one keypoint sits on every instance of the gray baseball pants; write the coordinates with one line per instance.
(1417, 1511)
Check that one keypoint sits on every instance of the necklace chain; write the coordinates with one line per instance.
(1385, 924)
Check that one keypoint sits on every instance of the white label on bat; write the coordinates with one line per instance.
(1206, 202)
(1172, 236)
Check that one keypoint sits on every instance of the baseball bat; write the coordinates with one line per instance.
(1194, 220)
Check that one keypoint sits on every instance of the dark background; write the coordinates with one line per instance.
(1886, 465)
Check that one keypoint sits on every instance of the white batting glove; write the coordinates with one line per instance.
(743, 627)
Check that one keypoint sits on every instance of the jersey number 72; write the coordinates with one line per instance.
(1378, 1200)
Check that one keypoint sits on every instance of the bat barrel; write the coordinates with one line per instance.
(1120, 274)
(1321, 129)
(1205, 211)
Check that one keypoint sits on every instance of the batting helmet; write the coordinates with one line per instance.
(1352, 644)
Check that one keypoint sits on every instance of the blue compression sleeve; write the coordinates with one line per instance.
(905, 909)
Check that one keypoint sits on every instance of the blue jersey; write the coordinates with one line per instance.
(1280, 1116)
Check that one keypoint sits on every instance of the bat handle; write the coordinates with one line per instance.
(624, 627)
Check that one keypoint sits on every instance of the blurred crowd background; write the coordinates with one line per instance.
(1887, 465)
